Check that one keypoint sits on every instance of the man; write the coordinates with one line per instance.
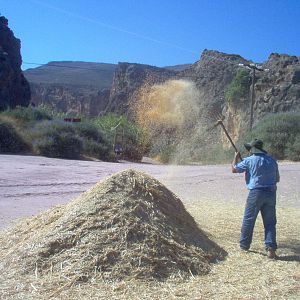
(261, 178)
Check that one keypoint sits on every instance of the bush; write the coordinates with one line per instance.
(97, 150)
(280, 134)
(56, 139)
(95, 143)
(51, 112)
(118, 130)
(62, 145)
(10, 140)
(27, 114)
(70, 140)
(89, 131)
(239, 87)
(293, 149)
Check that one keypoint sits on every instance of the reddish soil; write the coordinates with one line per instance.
(31, 184)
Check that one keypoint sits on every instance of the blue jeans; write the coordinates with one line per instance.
(263, 200)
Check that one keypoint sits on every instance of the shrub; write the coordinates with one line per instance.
(27, 114)
(239, 87)
(89, 131)
(63, 145)
(119, 130)
(51, 112)
(97, 150)
(10, 140)
(280, 134)
(56, 139)
(95, 144)
(293, 149)
(70, 140)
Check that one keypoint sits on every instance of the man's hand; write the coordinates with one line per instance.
(236, 159)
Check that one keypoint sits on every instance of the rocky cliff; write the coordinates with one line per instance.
(276, 89)
(14, 88)
(129, 78)
(74, 88)
(71, 99)
(212, 74)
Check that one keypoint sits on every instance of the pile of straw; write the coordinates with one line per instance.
(127, 226)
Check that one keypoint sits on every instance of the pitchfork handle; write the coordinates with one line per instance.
(233, 145)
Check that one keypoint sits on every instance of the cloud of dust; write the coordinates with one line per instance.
(170, 113)
(173, 104)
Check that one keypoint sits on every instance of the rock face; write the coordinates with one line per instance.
(277, 89)
(14, 88)
(129, 78)
(74, 88)
(71, 99)
(212, 74)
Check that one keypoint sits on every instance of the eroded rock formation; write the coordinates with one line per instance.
(14, 88)
(129, 78)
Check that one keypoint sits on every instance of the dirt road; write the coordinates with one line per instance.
(31, 184)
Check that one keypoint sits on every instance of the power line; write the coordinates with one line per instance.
(112, 27)
(83, 68)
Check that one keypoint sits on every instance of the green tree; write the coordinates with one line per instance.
(119, 130)
(238, 90)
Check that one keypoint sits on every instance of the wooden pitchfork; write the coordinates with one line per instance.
(220, 118)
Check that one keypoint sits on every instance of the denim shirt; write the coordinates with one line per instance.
(261, 171)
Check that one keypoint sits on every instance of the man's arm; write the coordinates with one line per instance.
(236, 159)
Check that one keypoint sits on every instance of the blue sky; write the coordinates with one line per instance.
(155, 32)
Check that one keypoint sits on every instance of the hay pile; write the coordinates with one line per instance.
(127, 226)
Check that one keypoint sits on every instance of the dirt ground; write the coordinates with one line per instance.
(31, 184)
(212, 194)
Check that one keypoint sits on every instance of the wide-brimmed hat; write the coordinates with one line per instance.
(255, 146)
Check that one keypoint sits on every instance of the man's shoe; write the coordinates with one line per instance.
(244, 249)
(271, 253)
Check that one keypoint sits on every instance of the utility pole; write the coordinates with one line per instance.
(252, 67)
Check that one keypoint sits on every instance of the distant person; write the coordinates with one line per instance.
(118, 150)
(261, 176)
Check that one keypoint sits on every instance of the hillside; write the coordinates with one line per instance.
(72, 87)
(99, 75)
(178, 67)
(95, 88)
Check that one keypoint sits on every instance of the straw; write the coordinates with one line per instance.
(131, 238)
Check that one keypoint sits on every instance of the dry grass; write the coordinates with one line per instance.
(241, 276)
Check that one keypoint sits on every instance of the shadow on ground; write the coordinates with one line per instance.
(286, 246)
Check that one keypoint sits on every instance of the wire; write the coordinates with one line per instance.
(83, 68)
(137, 35)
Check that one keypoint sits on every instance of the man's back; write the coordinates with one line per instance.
(261, 171)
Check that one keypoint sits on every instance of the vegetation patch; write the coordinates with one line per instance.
(122, 133)
(48, 134)
(280, 134)
(27, 114)
(238, 90)
(11, 140)
(56, 139)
